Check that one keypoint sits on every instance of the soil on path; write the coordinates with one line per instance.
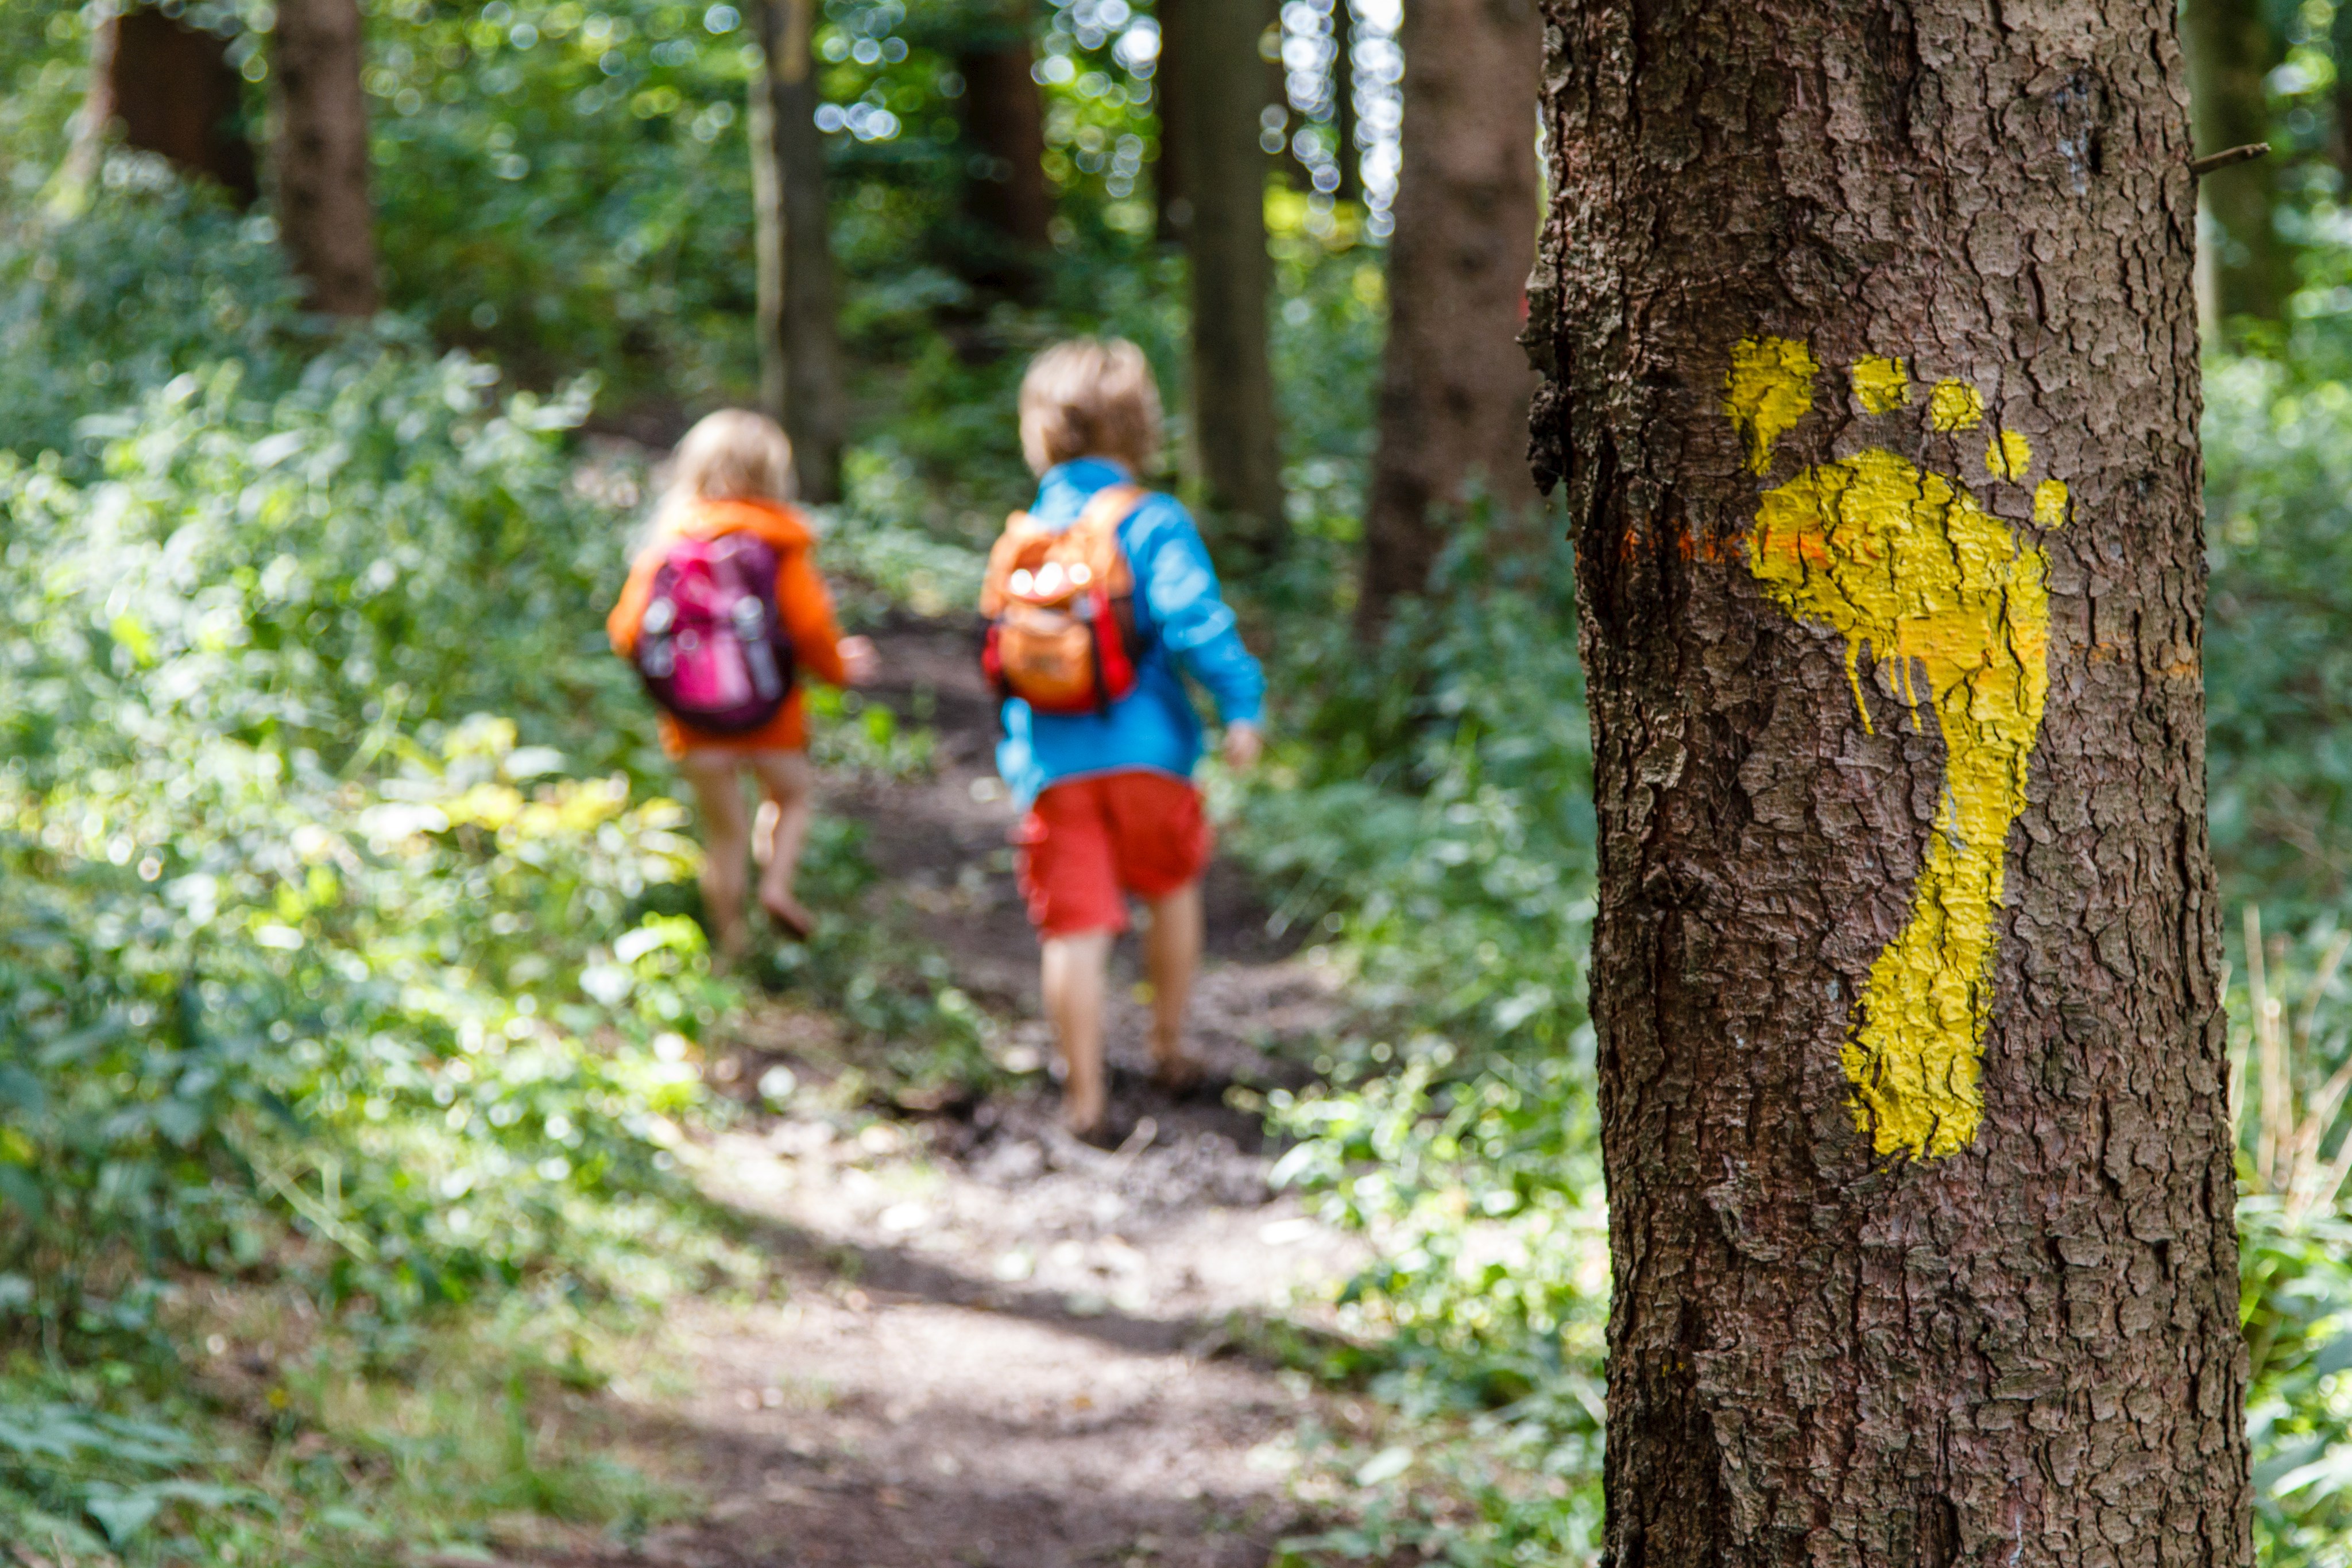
(997, 1345)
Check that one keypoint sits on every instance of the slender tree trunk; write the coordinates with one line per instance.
(1288, 166)
(1233, 380)
(1455, 385)
(1005, 126)
(2339, 49)
(1343, 103)
(2230, 51)
(799, 346)
(1871, 376)
(76, 175)
(171, 89)
(325, 217)
(1171, 189)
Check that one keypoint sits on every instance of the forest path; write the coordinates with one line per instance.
(995, 1344)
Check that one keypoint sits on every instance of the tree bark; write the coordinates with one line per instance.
(1343, 103)
(1005, 126)
(2339, 50)
(1455, 386)
(799, 346)
(1234, 430)
(1871, 376)
(77, 175)
(2230, 51)
(173, 90)
(325, 217)
(1171, 180)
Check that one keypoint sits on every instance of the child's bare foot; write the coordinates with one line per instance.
(1085, 1114)
(1175, 1072)
(727, 950)
(790, 914)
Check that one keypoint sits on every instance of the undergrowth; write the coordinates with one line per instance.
(347, 947)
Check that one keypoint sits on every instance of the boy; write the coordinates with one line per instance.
(1106, 775)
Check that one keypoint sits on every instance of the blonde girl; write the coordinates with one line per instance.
(734, 474)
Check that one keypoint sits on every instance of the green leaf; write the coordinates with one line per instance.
(21, 1089)
(18, 1186)
(124, 1515)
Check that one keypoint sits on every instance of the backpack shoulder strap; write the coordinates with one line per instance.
(1019, 529)
(1097, 532)
(1111, 506)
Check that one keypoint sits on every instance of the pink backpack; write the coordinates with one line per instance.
(712, 648)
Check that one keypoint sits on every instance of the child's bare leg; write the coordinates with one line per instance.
(790, 786)
(1171, 956)
(1075, 970)
(726, 842)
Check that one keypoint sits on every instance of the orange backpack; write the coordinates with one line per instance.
(1061, 608)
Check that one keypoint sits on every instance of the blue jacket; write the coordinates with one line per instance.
(1184, 623)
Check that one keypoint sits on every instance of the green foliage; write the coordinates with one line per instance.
(270, 947)
(2291, 1040)
(2279, 666)
(1433, 816)
(384, 545)
(349, 1450)
(74, 1480)
(566, 186)
(153, 279)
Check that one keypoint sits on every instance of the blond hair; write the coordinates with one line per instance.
(734, 454)
(1090, 398)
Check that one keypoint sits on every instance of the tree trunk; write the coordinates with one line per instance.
(2230, 51)
(1171, 190)
(2339, 50)
(78, 173)
(1871, 371)
(171, 89)
(1455, 385)
(1343, 103)
(799, 348)
(1233, 381)
(1005, 126)
(325, 219)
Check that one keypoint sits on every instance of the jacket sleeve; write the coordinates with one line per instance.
(807, 609)
(1180, 592)
(628, 615)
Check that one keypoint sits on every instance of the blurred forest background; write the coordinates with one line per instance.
(347, 971)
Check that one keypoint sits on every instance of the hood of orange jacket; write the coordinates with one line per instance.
(779, 527)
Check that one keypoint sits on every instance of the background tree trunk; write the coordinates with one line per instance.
(1879, 1301)
(799, 347)
(173, 90)
(1234, 430)
(1171, 180)
(1455, 385)
(1004, 125)
(325, 217)
(1343, 103)
(2230, 51)
(77, 175)
(2339, 49)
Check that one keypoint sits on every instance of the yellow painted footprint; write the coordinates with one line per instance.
(1909, 564)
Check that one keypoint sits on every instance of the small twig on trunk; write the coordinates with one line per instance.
(2201, 167)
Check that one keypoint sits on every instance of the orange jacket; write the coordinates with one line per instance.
(800, 599)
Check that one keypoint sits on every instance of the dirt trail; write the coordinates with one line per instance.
(997, 1345)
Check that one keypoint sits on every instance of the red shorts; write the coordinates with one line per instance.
(1087, 842)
